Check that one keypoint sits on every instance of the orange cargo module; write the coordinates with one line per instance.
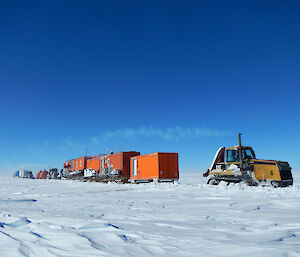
(95, 162)
(80, 163)
(162, 167)
(118, 163)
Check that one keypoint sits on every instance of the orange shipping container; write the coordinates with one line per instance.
(95, 162)
(80, 163)
(120, 161)
(154, 167)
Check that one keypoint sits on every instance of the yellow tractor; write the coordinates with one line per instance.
(239, 164)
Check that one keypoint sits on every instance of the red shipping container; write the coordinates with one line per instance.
(37, 175)
(43, 174)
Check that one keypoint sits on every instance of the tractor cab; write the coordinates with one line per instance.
(231, 155)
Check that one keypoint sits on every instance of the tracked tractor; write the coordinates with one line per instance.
(239, 164)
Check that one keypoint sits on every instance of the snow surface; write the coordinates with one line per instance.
(71, 218)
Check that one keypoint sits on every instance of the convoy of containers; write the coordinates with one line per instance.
(42, 174)
(124, 167)
(121, 167)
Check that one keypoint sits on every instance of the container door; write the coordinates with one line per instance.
(134, 167)
(101, 171)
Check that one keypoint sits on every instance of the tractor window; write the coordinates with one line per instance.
(232, 156)
(248, 154)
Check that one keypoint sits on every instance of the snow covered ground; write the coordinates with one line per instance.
(70, 218)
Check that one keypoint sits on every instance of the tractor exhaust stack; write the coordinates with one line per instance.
(240, 151)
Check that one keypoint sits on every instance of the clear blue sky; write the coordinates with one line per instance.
(178, 76)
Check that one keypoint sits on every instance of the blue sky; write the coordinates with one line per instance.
(178, 76)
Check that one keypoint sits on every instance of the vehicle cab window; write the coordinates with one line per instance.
(232, 156)
(248, 154)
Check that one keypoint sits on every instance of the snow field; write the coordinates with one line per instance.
(71, 218)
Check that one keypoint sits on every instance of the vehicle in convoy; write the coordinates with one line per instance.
(239, 163)
(53, 174)
(89, 173)
(23, 174)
